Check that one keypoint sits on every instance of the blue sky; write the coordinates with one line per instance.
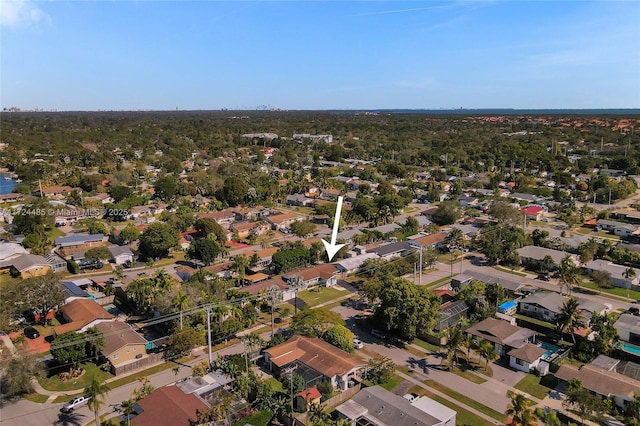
(130, 55)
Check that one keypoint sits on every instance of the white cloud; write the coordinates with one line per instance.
(21, 13)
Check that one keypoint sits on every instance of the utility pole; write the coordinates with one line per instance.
(609, 196)
(420, 268)
(209, 334)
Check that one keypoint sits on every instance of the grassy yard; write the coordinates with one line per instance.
(314, 297)
(430, 347)
(469, 375)
(620, 293)
(54, 233)
(149, 371)
(536, 321)
(463, 416)
(392, 383)
(261, 418)
(36, 397)
(439, 282)
(466, 400)
(510, 271)
(275, 385)
(537, 386)
(54, 383)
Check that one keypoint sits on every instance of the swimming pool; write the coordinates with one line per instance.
(112, 309)
(551, 349)
(628, 347)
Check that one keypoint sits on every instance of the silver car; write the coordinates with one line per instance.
(76, 402)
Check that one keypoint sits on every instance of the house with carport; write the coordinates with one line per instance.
(503, 335)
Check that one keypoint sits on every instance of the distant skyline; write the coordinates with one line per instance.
(163, 55)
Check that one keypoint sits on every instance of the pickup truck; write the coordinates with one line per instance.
(76, 402)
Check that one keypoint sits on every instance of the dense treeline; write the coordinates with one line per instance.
(471, 143)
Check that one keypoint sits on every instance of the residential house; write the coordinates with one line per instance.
(318, 360)
(618, 273)
(9, 198)
(121, 255)
(529, 198)
(10, 251)
(432, 240)
(467, 201)
(376, 406)
(534, 212)
(255, 278)
(299, 200)
(330, 194)
(56, 192)
(314, 138)
(620, 229)
(283, 220)
(168, 406)
(389, 251)
(532, 255)
(628, 326)
(251, 213)
(385, 229)
(84, 241)
(604, 383)
(352, 264)
(223, 217)
(265, 257)
(503, 335)
(123, 346)
(82, 314)
(101, 197)
(546, 305)
(262, 287)
(29, 265)
(527, 357)
(460, 281)
(325, 275)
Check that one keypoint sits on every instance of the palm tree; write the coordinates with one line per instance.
(95, 392)
(629, 274)
(181, 301)
(487, 351)
(569, 273)
(240, 266)
(274, 296)
(633, 409)
(519, 411)
(469, 343)
(569, 317)
(454, 342)
(127, 409)
(547, 416)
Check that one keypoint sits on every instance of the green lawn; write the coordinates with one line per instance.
(535, 386)
(510, 271)
(148, 372)
(261, 418)
(275, 385)
(393, 382)
(314, 297)
(466, 400)
(54, 383)
(36, 397)
(438, 283)
(463, 417)
(469, 375)
(54, 233)
(430, 347)
(620, 293)
(535, 321)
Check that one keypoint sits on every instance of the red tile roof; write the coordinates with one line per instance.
(168, 406)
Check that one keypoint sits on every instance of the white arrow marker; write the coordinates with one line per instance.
(332, 248)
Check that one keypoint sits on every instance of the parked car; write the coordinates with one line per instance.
(544, 277)
(378, 333)
(31, 333)
(76, 402)
(410, 397)
(358, 344)
(90, 264)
